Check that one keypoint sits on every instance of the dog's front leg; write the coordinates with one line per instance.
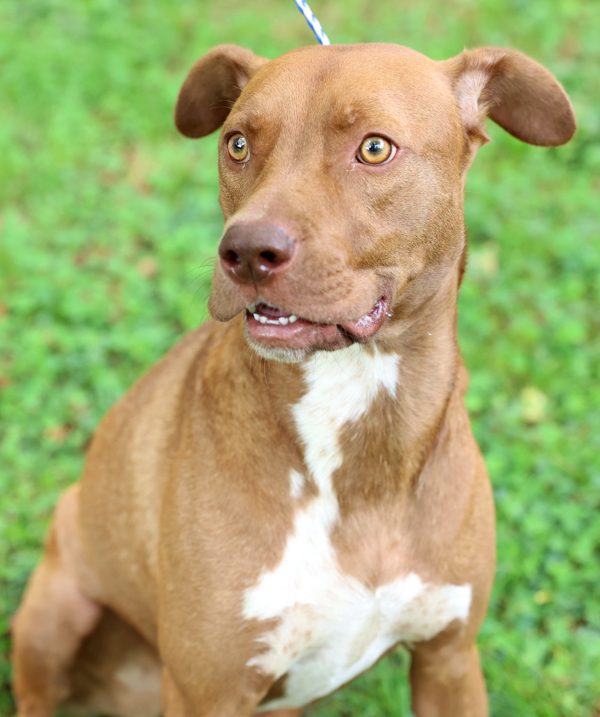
(447, 681)
(175, 704)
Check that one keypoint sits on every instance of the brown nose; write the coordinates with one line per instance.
(254, 252)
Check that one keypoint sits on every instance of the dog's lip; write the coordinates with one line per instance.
(358, 329)
(367, 325)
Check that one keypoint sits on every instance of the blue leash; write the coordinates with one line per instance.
(312, 21)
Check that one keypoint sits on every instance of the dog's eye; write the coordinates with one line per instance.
(238, 148)
(375, 150)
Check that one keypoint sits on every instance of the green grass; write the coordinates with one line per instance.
(108, 222)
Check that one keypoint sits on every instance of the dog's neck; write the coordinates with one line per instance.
(402, 384)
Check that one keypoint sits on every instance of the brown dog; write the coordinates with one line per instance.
(293, 491)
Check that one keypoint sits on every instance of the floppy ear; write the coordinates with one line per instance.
(211, 88)
(515, 91)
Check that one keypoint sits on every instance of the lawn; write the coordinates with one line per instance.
(108, 223)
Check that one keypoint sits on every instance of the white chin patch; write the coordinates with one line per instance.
(278, 354)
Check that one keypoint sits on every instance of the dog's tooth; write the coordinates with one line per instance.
(283, 320)
(256, 316)
(263, 319)
(292, 319)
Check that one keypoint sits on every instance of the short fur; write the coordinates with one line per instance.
(251, 531)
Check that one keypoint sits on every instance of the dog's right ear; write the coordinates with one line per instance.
(211, 88)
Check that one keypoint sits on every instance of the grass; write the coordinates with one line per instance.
(108, 223)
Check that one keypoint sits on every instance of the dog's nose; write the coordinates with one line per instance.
(254, 252)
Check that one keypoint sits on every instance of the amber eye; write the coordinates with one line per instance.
(375, 150)
(238, 148)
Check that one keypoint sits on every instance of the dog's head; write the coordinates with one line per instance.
(341, 173)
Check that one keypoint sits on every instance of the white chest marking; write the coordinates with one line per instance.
(296, 483)
(341, 387)
(331, 626)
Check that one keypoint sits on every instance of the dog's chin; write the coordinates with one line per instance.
(281, 355)
(289, 354)
(292, 343)
(277, 335)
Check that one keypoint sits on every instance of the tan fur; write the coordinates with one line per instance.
(186, 499)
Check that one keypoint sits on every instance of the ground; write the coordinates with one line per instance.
(108, 224)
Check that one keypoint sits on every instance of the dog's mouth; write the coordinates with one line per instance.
(273, 327)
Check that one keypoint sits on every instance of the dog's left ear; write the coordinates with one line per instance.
(515, 91)
(211, 88)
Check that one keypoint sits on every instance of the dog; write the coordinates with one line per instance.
(295, 488)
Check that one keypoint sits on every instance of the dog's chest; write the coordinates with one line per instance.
(329, 626)
(326, 626)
